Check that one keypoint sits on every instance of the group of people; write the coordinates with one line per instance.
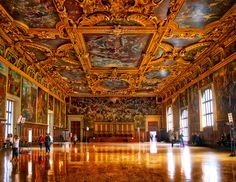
(175, 137)
(46, 141)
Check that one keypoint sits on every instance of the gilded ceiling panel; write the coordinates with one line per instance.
(33, 13)
(197, 14)
(116, 50)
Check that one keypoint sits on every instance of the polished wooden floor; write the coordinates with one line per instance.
(111, 162)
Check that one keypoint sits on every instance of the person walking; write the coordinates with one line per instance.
(47, 143)
(181, 140)
(15, 148)
(41, 141)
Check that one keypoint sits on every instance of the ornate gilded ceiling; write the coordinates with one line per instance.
(115, 47)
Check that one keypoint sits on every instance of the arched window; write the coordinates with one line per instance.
(184, 123)
(207, 107)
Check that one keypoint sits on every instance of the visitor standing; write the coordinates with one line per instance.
(41, 141)
(15, 148)
(47, 142)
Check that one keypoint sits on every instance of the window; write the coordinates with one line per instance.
(169, 119)
(207, 108)
(184, 123)
(9, 118)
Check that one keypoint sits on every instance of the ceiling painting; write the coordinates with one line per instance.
(72, 74)
(118, 22)
(51, 43)
(150, 84)
(162, 10)
(114, 84)
(193, 53)
(182, 42)
(112, 48)
(73, 9)
(159, 53)
(80, 87)
(33, 13)
(116, 51)
(197, 14)
(157, 74)
(39, 55)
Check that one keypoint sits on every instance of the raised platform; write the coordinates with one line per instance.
(112, 139)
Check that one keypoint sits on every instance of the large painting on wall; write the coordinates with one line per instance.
(225, 90)
(3, 82)
(42, 109)
(113, 109)
(116, 51)
(14, 83)
(28, 100)
(63, 115)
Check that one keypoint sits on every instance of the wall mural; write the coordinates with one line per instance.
(113, 109)
(225, 90)
(50, 103)
(14, 83)
(34, 13)
(116, 51)
(42, 109)
(197, 14)
(28, 100)
(57, 112)
(194, 108)
(63, 115)
(3, 82)
(183, 99)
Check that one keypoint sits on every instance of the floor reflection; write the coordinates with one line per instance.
(119, 162)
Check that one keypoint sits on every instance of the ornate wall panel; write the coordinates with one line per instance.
(42, 107)
(14, 83)
(225, 89)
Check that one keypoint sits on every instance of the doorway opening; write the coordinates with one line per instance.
(50, 123)
(153, 136)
